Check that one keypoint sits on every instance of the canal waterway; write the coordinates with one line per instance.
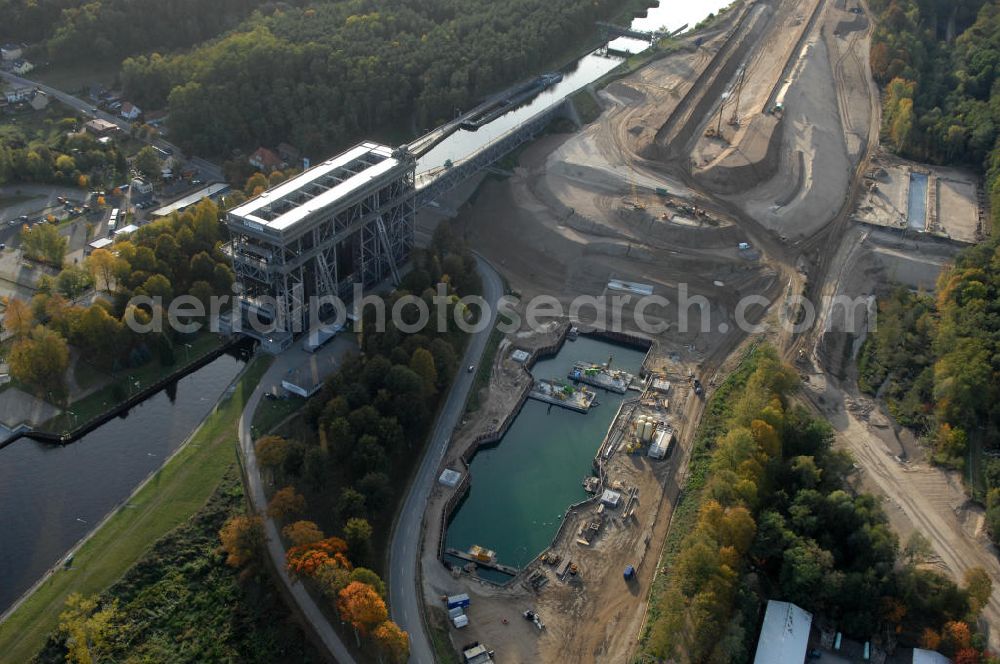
(51, 496)
(670, 15)
(522, 485)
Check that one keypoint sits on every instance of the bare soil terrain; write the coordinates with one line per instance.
(676, 188)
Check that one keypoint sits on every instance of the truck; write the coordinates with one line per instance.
(458, 600)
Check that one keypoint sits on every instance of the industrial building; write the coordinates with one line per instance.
(347, 221)
(784, 636)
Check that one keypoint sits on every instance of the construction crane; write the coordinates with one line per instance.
(716, 131)
(740, 80)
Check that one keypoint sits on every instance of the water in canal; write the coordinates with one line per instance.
(51, 496)
(916, 208)
(670, 14)
(522, 485)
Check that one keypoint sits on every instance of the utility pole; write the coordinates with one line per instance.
(722, 106)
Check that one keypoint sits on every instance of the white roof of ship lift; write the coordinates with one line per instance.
(248, 210)
(784, 636)
(921, 656)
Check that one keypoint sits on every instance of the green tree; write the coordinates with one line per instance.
(367, 576)
(43, 243)
(422, 363)
(148, 163)
(358, 533)
(351, 503)
(73, 281)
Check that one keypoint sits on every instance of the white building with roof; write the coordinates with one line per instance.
(784, 637)
(921, 656)
(346, 221)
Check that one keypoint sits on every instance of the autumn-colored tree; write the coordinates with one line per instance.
(930, 639)
(41, 361)
(967, 656)
(255, 184)
(242, 539)
(271, 453)
(302, 533)
(894, 611)
(360, 605)
(392, 642)
(880, 61)
(285, 503)
(306, 559)
(85, 629)
(104, 266)
(955, 636)
(18, 319)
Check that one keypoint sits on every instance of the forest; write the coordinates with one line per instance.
(767, 514)
(106, 29)
(340, 465)
(330, 73)
(938, 62)
(935, 358)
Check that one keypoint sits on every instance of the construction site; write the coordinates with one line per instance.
(744, 162)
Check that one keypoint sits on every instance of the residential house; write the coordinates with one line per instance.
(15, 95)
(40, 101)
(99, 127)
(130, 111)
(9, 52)
(22, 67)
(266, 160)
(141, 190)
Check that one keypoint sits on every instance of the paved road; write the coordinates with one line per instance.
(307, 606)
(405, 597)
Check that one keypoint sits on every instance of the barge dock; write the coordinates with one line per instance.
(489, 564)
(563, 395)
(602, 376)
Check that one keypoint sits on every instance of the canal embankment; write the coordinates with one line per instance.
(166, 498)
(68, 427)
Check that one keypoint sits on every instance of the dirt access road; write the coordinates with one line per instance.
(917, 495)
(584, 208)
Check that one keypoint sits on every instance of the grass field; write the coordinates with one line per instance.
(174, 494)
(271, 413)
